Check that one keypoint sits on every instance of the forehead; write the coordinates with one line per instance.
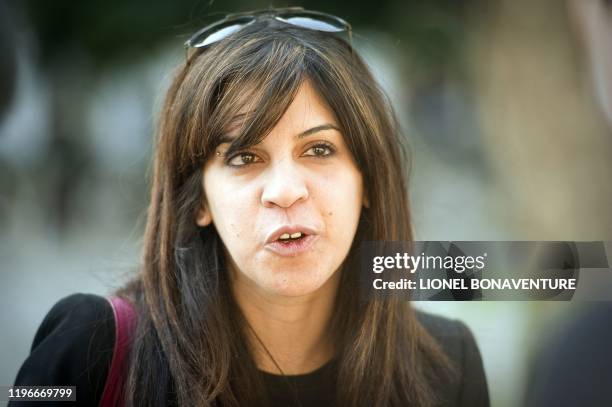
(307, 111)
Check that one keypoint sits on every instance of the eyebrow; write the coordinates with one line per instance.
(326, 126)
(226, 138)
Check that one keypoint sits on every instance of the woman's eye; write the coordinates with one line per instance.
(320, 150)
(242, 159)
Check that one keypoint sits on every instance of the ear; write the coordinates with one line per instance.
(366, 200)
(203, 217)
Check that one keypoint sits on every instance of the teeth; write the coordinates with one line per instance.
(286, 236)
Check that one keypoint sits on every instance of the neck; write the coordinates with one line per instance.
(294, 330)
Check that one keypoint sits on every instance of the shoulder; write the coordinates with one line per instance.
(80, 308)
(73, 346)
(459, 345)
(449, 333)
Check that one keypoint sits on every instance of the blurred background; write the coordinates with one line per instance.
(507, 105)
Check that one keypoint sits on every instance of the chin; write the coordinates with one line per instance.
(295, 283)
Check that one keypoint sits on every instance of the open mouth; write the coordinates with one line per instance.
(292, 242)
(287, 238)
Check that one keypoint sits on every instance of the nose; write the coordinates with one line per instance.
(284, 185)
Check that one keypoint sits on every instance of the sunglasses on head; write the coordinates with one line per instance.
(296, 16)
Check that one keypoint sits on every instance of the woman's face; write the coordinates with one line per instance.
(287, 208)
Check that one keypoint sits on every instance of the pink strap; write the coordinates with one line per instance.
(125, 323)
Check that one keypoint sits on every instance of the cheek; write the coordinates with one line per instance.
(342, 195)
(232, 209)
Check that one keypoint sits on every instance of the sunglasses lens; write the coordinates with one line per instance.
(293, 16)
(319, 23)
(217, 32)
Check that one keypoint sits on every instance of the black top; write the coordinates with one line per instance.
(574, 366)
(74, 345)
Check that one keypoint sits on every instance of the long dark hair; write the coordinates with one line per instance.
(191, 340)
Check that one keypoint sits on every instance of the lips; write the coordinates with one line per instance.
(276, 234)
(300, 240)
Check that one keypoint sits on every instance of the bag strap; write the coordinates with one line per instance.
(125, 324)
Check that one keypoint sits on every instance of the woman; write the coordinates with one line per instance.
(277, 155)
